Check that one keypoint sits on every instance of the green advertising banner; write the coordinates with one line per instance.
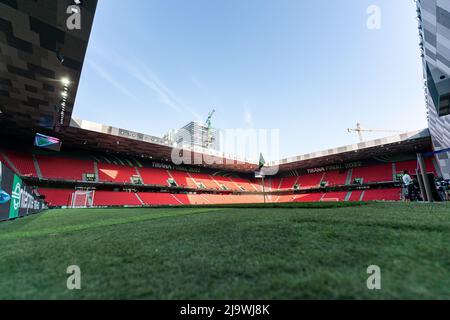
(16, 199)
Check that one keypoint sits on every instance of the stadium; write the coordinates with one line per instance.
(114, 202)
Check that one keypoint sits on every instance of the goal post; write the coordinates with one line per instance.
(82, 199)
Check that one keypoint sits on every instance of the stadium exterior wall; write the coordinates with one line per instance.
(16, 199)
(434, 28)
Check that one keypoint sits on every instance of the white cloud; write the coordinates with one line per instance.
(109, 78)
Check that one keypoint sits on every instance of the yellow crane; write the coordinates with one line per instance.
(360, 131)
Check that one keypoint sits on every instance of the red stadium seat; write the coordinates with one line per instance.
(288, 183)
(153, 198)
(246, 184)
(334, 196)
(111, 198)
(313, 197)
(154, 176)
(23, 163)
(230, 185)
(62, 168)
(382, 195)
(310, 180)
(335, 178)
(115, 173)
(412, 165)
(183, 179)
(57, 197)
(356, 195)
(374, 173)
(205, 180)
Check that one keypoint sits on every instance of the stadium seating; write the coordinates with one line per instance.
(355, 195)
(272, 184)
(225, 199)
(382, 194)
(205, 180)
(310, 181)
(247, 185)
(111, 198)
(313, 197)
(57, 197)
(154, 198)
(183, 179)
(22, 162)
(335, 178)
(334, 196)
(62, 168)
(284, 198)
(154, 176)
(257, 184)
(115, 173)
(412, 165)
(374, 173)
(288, 183)
(63, 197)
(230, 185)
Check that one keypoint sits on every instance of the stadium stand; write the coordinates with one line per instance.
(313, 197)
(154, 176)
(183, 179)
(355, 195)
(204, 180)
(63, 168)
(154, 198)
(310, 181)
(285, 198)
(256, 184)
(383, 194)
(335, 178)
(225, 181)
(23, 162)
(334, 196)
(115, 173)
(288, 183)
(57, 197)
(374, 173)
(112, 198)
(411, 166)
(244, 185)
(276, 182)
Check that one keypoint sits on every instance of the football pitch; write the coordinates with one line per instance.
(304, 252)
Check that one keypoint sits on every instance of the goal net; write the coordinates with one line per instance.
(83, 199)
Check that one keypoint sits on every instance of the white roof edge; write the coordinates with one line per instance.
(100, 128)
(110, 130)
(355, 147)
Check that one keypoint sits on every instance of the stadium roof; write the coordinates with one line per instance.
(417, 141)
(38, 51)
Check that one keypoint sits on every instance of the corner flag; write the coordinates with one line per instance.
(262, 162)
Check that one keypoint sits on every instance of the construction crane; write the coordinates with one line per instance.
(360, 131)
(208, 125)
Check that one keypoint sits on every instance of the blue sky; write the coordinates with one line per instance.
(309, 68)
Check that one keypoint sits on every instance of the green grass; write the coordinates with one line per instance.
(229, 253)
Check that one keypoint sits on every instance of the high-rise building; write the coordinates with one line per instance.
(194, 134)
(434, 32)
